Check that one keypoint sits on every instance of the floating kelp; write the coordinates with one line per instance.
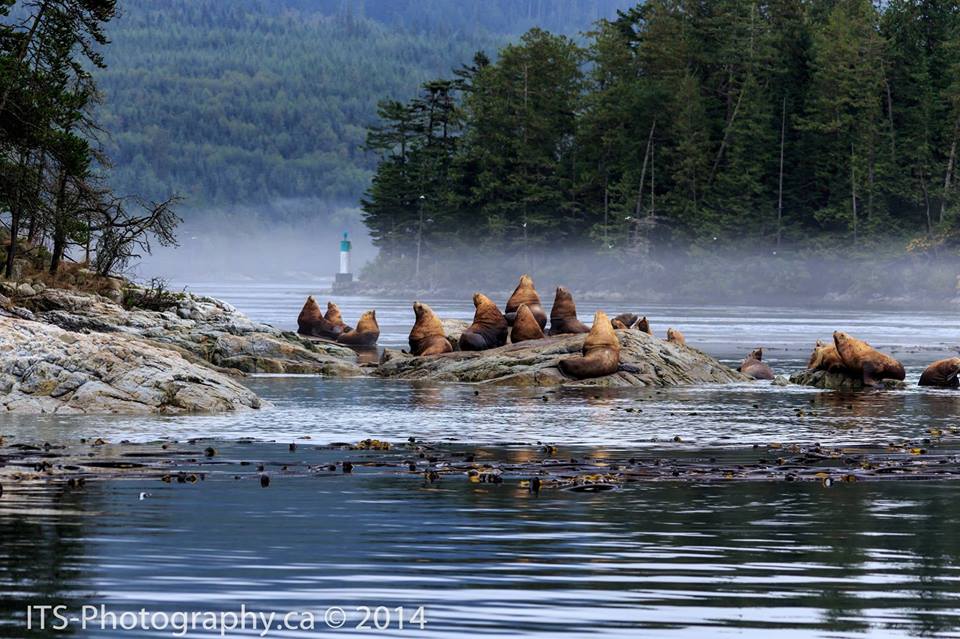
(530, 466)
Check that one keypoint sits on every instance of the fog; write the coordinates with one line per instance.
(298, 242)
(288, 240)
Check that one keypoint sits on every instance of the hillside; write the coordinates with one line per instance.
(252, 101)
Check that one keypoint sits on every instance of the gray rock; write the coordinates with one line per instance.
(44, 369)
(199, 328)
(838, 381)
(453, 328)
(645, 361)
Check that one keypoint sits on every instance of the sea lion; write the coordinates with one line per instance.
(861, 359)
(311, 322)
(624, 320)
(643, 325)
(563, 315)
(526, 326)
(366, 333)
(601, 352)
(427, 336)
(489, 328)
(754, 367)
(617, 324)
(675, 336)
(525, 293)
(825, 358)
(942, 373)
(333, 316)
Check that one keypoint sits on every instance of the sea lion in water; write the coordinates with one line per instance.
(525, 326)
(825, 358)
(525, 293)
(311, 321)
(675, 336)
(942, 373)
(489, 328)
(601, 352)
(366, 333)
(563, 315)
(427, 336)
(861, 359)
(754, 367)
(333, 316)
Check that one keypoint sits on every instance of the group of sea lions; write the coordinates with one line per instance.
(523, 320)
(330, 325)
(856, 358)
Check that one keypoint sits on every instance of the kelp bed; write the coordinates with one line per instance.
(532, 466)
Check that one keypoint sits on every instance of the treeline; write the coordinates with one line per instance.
(252, 100)
(805, 124)
(53, 191)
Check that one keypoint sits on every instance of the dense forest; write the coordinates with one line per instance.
(248, 101)
(756, 126)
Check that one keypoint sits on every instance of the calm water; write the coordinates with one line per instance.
(664, 559)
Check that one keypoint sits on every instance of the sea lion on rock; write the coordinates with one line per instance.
(427, 336)
(625, 320)
(366, 333)
(942, 373)
(675, 336)
(525, 293)
(563, 315)
(489, 328)
(754, 367)
(825, 358)
(643, 325)
(333, 316)
(311, 321)
(861, 359)
(525, 326)
(601, 352)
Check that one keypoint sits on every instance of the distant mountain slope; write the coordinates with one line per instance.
(247, 100)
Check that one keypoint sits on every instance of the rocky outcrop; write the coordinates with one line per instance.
(838, 381)
(199, 328)
(645, 361)
(46, 369)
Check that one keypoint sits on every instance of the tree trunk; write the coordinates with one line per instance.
(783, 135)
(853, 191)
(643, 170)
(60, 227)
(951, 163)
(926, 201)
(726, 137)
(15, 215)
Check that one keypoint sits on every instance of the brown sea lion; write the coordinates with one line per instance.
(601, 352)
(427, 336)
(618, 325)
(525, 326)
(311, 321)
(643, 325)
(333, 316)
(489, 328)
(624, 320)
(675, 336)
(825, 358)
(942, 373)
(563, 315)
(525, 293)
(366, 333)
(754, 367)
(861, 359)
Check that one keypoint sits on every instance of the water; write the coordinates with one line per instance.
(653, 559)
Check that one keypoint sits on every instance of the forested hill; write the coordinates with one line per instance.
(254, 100)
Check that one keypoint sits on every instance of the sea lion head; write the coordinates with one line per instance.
(756, 354)
(601, 334)
(368, 322)
(333, 314)
(419, 308)
(643, 324)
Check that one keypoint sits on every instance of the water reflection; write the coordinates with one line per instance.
(681, 559)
